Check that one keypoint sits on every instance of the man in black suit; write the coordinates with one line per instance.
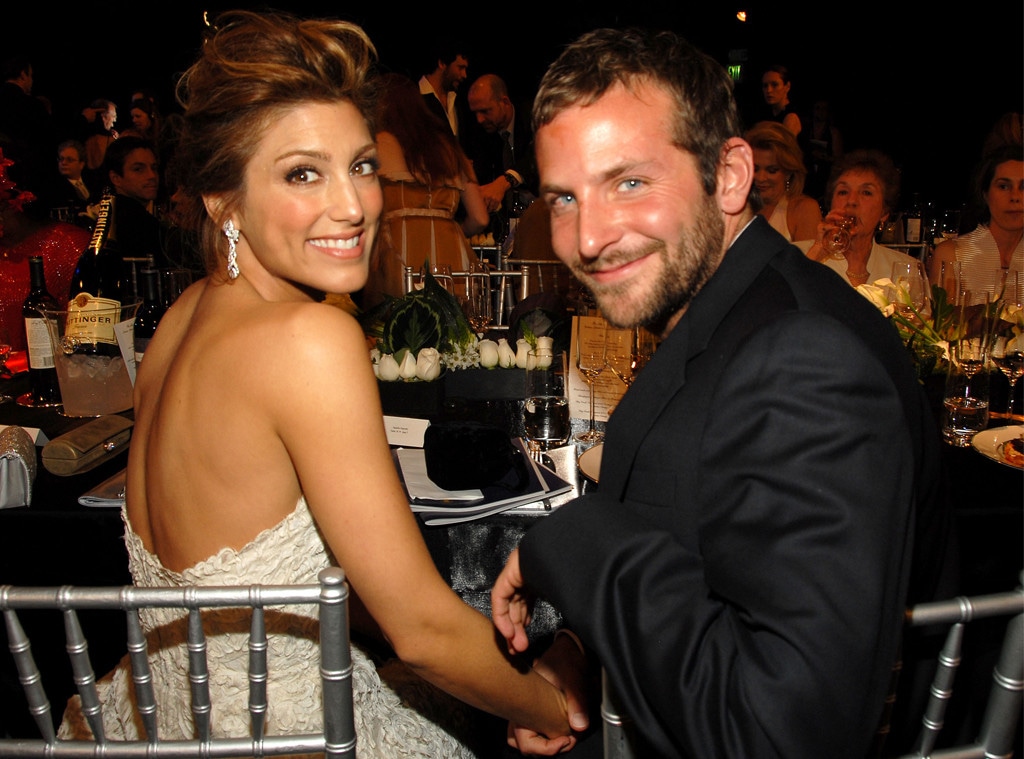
(134, 173)
(768, 480)
(500, 145)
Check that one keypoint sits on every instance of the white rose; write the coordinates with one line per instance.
(488, 353)
(522, 352)
(408, 368)
(506, 356)
(545, 344)
(387, 368)
(428, 364)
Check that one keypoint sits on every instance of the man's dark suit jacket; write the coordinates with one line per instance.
(485, 151)
(742, 570)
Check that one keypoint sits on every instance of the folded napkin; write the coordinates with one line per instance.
(109, 493)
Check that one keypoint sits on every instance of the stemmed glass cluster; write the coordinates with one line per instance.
(590, 362)
(624, 351)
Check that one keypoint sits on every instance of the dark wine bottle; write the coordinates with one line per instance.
(42, 373)
(149, 313)
(97, 289)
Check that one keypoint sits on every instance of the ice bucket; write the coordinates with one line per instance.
(93, 385)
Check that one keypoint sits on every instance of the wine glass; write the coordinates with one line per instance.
(837, 240)
(966, 395)
(476, 302)
(442, 273)
(590, 362)
(911, 285)
(1008, 347)
(628, 350)
(972, 344)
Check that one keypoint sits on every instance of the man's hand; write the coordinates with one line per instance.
(564, 666)
(494, 193)
(511, 605)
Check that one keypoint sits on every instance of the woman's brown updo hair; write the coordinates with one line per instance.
(252, 68)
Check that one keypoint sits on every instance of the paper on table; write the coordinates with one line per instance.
(420, 487)
(608, 388)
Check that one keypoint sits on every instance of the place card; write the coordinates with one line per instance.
(405, 431)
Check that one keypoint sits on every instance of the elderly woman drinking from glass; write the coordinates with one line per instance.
(779, 175)
(863, 189)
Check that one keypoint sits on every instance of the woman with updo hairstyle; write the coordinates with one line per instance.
(779, 176)
(259, 452)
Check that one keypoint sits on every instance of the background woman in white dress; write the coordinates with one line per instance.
(259, 447)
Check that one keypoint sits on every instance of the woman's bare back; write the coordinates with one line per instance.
(208, 467)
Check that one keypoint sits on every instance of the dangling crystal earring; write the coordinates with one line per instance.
(232, 234)
(789, 182)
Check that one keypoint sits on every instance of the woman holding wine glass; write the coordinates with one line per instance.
(863, 189)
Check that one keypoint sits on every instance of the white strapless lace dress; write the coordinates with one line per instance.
(397, 714)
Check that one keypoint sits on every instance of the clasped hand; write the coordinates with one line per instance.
(563, 664)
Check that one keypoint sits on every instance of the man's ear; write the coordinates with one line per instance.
(735, 175)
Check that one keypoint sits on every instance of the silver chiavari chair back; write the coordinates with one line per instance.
(1002, 714)
(329, 596)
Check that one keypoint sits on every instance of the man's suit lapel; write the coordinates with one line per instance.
(664, 377)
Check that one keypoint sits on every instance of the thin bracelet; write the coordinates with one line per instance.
(573, 636)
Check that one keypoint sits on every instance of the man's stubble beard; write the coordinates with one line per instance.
(698, 254)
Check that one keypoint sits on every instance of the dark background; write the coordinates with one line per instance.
(921, 83)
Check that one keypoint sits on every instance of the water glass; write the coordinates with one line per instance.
(545, 405)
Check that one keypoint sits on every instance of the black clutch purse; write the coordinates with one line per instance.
(467, 455)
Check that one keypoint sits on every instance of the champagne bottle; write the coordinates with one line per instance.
(149, 313)
(97, 284)
(42, 373)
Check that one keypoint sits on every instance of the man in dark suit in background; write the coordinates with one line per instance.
(500, 145)
(771, 475)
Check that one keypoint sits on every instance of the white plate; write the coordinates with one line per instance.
(589, 462)
(989, 442)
